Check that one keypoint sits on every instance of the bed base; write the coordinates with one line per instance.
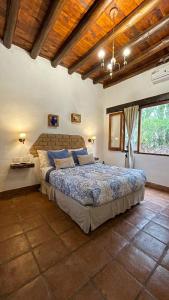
(88, 217)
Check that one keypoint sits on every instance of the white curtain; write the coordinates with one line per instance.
(130, 114)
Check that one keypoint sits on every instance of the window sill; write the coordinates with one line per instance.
(144, 153)
(156, 154)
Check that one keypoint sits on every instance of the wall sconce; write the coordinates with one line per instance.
(22, 137)
(92, 139)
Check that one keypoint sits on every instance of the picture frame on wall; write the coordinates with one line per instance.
(53, 120)
(75, 118)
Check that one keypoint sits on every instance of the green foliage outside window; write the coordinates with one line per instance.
(155, 129)
(154, 134)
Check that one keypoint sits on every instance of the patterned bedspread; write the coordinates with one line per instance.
(96, 184)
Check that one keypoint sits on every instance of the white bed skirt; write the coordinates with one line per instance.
(89, 217)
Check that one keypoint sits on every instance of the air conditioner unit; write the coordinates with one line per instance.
(160, 74)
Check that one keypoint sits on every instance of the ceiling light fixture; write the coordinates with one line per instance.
(113, 64)
(101, 55)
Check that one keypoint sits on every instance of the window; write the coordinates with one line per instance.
(151, 135)
(116, 131)
(154, 129)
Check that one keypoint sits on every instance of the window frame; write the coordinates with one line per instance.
(122, 131)
(139, 127)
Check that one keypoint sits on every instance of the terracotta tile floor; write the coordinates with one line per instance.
(44, 255)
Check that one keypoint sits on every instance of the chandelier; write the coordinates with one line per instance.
(113, 63)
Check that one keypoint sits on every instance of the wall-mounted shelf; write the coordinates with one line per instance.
(22, 166)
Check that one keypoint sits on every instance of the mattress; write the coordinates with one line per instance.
(95, 184)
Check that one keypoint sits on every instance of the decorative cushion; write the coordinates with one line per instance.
(86, 159)
(78, 152)
(57, 155)
(43, 158)
(64, 163)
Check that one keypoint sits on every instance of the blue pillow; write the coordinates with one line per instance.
(78, 152)
(57, 155)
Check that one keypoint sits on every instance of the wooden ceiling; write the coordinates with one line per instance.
(71, 33)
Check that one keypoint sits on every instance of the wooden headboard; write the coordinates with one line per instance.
(57, 142)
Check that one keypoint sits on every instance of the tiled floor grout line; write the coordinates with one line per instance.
(147, 207)
(48, 223)
(154, 236)
(130, 243)
(141, 248)
(31, 250)
(29, 281)
(46, 282)
(30, 247)
(92, 239)
(153, 270)
(11, 237)
(98, 289)
(81, 288)
(11, 259)
(20, 287)
(156, 261)
(142, 229)
(100, 270)
(90, 278)
(61, 260)
(72, 251)
(23, 233)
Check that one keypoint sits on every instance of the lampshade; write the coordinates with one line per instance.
(22, 137)
(92, 139)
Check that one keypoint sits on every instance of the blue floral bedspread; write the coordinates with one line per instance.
(96, 184)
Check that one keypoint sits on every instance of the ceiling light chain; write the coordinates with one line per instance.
(111, 66)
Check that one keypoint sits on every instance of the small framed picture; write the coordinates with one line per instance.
(75, 118)
(53, 120)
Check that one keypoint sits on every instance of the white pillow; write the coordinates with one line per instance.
(85, 159)
(43, 158)
(64, 163)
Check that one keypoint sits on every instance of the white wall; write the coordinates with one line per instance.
(29, 90)
(136, 88)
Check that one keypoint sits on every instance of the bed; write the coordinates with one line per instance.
(89, 194)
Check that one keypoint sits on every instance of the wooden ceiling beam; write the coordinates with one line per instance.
(164, 22)
(48, 23)
(88, 19)
(136, 72)
(136, 15)
(145, 55)
(11, 20)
